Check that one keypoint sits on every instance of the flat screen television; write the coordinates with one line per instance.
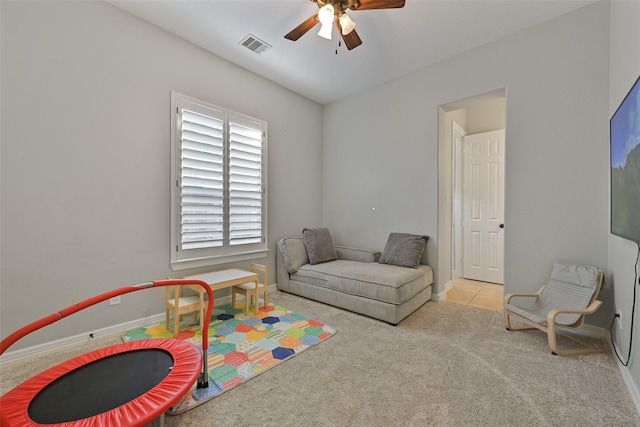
(624, 139)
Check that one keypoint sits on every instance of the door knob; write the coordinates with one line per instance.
(501, 226)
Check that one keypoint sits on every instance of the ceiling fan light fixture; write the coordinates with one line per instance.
(326, 17)
(347, 24)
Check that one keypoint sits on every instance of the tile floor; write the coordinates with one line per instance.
(488, 296)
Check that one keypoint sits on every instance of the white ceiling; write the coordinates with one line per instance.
(395, 41)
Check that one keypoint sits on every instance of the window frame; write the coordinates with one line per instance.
(182, 259)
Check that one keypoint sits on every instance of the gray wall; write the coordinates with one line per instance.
(381, 148)
(86, 153)
(625, 68)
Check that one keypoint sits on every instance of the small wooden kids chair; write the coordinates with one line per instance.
(249, 289)
(179, 305)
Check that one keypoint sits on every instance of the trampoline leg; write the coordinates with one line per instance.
(161, 420)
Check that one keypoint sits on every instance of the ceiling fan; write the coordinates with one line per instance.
(336, 11)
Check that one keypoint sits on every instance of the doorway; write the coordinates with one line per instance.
(458, 121)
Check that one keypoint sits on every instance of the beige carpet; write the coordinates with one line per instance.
(445, 365)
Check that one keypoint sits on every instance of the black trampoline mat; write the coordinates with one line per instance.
(100, 386)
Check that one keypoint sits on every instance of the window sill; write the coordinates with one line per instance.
(178, 265)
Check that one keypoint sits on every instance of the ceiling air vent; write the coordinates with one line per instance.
(253, 43)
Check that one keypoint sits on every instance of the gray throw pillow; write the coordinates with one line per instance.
(319, 245)
(403, 249)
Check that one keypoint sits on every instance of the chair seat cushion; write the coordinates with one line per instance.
(186, 301)
(534, 314)
(250, 286)
(570, 287)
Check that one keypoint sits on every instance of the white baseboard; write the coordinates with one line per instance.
(632, 387)
(120, 328)
(442, 296)
(589, 331)
(39, 349)
(634, 393)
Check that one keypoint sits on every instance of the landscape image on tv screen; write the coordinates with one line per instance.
(625, 167)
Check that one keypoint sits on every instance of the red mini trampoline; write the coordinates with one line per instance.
(127, 384)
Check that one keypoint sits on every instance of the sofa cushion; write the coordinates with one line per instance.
(319, 244)
(294, 253)
(403, 249)
(387, 283)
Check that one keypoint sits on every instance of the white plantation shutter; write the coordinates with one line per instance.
(245, 182)
(219, 193)
(202, 187)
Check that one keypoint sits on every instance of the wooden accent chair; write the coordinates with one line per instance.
(568, 296)
(177, 304)
(249, 289)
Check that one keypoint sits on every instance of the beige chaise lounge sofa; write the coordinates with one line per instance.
(355, 281)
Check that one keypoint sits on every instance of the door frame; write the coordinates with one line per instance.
(446, 112)
(457, 171)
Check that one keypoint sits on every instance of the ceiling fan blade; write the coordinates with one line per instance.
(351, 40)
(379, 4)
(302, 29)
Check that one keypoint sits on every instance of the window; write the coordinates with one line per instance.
(218, 193)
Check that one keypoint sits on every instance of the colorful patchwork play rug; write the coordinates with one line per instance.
(241, 346)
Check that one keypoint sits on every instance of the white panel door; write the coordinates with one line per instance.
(484, 207)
